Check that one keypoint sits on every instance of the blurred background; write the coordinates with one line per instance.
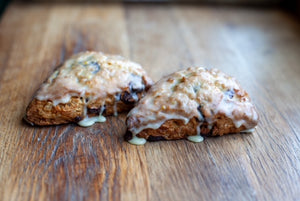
(292, 6)
(211, 33)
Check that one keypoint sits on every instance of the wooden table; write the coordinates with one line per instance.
(261, 48)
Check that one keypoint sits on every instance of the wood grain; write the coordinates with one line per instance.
(261, 48)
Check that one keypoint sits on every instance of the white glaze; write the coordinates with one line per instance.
(117, 98)
(195, 138)
(251, 130)
(178, 95)
(137, 141)
(65, 99)
(156, 124)
(76, 77)
(89, 121)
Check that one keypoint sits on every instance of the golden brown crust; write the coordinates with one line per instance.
(44, 113)
(172, 130)
(176, 129)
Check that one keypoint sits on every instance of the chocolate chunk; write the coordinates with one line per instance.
(92, 65)
(134, 88)
(201, 114)
(129, 98)
(78, 118)
(211, 131)
(230, 93)
(155, 138)
(95, 66)
(128, 136)
(96, 110)
(205, 131)
(199, 108)
(93, 110)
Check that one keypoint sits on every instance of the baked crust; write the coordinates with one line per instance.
(51, 109)
(175, 129)
(45, 113)
(192, 102)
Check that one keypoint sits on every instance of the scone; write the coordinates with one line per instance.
(87, 87)
(190, 104)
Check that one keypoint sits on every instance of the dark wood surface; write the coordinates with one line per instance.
(261, 48)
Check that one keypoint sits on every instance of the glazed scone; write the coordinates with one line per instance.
(190, 104)
(87, 87)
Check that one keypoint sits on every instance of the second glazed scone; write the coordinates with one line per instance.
(86, 87)
(189, 104)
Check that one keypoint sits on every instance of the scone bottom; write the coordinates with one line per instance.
(190, 104)
(195, 138)
(79, 110)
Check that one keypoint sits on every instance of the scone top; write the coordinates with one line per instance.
(92, 75)
(193, 93)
